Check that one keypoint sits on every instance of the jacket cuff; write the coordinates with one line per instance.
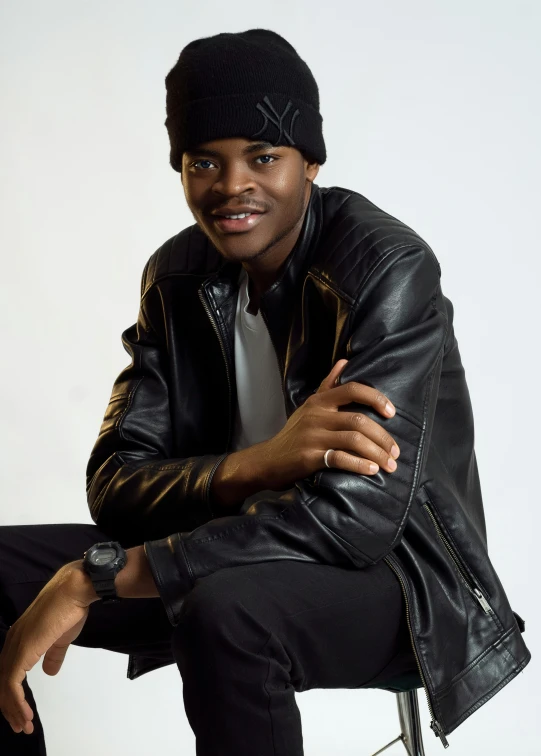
(169, 567)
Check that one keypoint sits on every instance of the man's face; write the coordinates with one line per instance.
(229, 176)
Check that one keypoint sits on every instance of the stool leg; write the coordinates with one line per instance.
(410, 724)
(408, 713)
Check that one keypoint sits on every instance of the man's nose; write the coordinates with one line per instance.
(234, 180)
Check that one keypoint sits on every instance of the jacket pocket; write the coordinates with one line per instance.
(465, 574)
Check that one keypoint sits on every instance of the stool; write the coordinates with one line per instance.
(410, 724)
(405, 689)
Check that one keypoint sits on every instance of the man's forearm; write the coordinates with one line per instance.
(238, 476)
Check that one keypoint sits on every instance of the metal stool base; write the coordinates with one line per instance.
(410, 724)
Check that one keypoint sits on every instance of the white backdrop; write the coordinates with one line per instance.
(431, 110)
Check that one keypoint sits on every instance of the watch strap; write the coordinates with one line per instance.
(106, 589)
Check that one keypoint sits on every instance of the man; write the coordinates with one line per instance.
(291, 345)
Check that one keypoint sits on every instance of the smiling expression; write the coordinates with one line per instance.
(234, 175)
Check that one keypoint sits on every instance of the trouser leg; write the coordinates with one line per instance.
(250, 637)
(29, 557)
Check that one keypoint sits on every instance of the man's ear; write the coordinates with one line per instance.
(312, 169)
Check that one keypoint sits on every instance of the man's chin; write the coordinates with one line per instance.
(235, 249)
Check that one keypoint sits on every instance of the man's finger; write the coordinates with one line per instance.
(27, 728)
(20, 724)
(15, 707)
(331, 380)
(55, 655)
(54, 658)
(355, 392)
(7, 716)
(17, 694)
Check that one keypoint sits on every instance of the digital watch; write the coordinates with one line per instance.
(102, 562)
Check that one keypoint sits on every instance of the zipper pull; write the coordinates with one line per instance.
(438, 731)
(482, 600)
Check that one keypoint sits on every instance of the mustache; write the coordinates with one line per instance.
(241, 208)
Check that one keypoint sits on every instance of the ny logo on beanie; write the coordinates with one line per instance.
(276, 120)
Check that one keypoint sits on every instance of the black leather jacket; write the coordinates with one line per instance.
(358, 284)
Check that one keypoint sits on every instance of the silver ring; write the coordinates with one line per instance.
(325, 456)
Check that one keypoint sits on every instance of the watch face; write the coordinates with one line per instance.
(103, 556)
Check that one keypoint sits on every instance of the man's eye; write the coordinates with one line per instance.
(201, 161)
(266, 158)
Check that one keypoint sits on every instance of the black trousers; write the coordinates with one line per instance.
(248, 639)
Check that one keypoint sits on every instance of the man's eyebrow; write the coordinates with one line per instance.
(255, 147)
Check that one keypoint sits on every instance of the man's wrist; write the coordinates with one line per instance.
(80, 586)
(240, 475)
(135, 580)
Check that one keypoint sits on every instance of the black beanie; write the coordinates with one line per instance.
(250, 84)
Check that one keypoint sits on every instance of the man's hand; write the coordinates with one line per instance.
(53, 621)
(360, 444)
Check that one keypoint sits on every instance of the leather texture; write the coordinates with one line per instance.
(358, 284)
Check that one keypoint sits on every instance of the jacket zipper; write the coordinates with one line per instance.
(435, 726)
(472, 588)
(207, 310)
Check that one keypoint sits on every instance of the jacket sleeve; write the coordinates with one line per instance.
(398, 326)
(136, 489)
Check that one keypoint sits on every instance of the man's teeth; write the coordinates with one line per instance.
(241, 215)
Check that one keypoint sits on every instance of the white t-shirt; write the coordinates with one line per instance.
(260, 412)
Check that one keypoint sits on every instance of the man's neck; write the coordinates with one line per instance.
(267, 270)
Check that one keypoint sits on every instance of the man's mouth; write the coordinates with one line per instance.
(238, 222)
